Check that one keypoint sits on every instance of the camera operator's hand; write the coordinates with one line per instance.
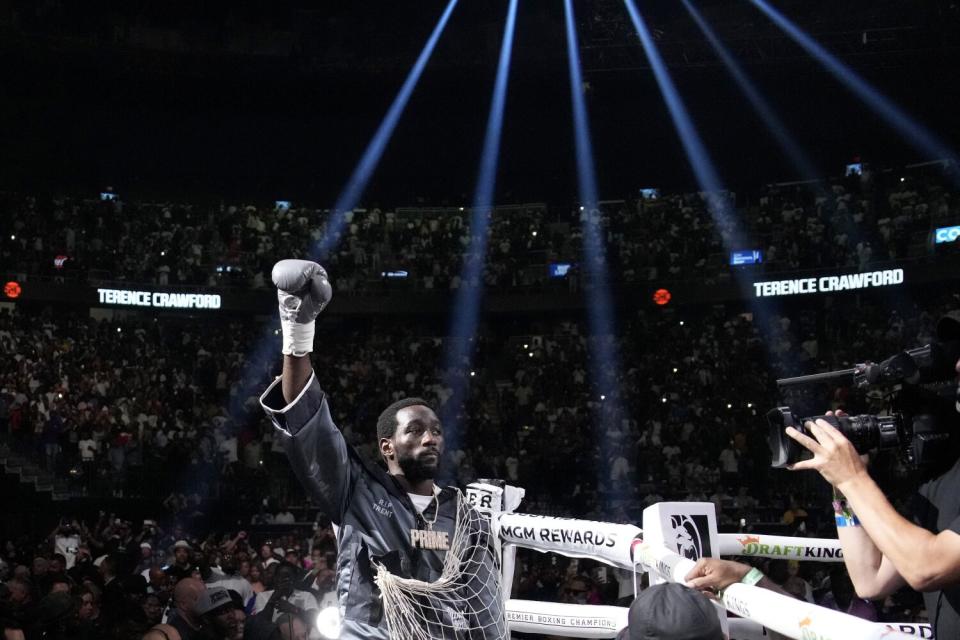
(833, 455)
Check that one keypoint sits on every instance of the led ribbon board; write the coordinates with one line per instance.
(828, 284)
(159, 299)
(946, 234)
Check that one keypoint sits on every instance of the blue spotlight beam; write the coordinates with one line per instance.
(703, 168)
(760, 104)
(467, 306)
(921, 138)
(362, 173)
(605, 366)
(700, 162)
(265, 350)
(586, 177)
(486, 178)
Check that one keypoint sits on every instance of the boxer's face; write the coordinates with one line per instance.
(416, 445)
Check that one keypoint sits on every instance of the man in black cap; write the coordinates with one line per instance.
(217, 611)
(881, 549)
(672, 611)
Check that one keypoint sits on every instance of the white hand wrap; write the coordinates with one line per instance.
(297, 338)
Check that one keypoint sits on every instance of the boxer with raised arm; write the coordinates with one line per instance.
(395, 517)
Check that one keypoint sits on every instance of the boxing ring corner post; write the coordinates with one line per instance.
(622, 546)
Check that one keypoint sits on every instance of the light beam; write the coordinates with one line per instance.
(760, 104)
(916, 134)
(604, 362)
(362, 173)
(703, 168)
(466, 311)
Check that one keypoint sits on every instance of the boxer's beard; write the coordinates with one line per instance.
(416, 469)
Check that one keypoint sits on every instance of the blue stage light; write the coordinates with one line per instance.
(912, 131)
(361, 175)
(586, 177)
(703, 168)
(790, 146)
(604, 360)
(466, 310)
(263, 356)
(700, 162)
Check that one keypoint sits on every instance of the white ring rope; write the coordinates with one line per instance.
(610, 542)
(604, 541)
(564, 619)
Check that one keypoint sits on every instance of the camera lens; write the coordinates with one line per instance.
(865, 432)
(784, 449)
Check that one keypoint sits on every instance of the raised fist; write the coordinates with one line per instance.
(303, 291)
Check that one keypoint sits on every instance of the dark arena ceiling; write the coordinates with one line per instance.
(268, 98)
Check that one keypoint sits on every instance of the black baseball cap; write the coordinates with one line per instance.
(672, 611)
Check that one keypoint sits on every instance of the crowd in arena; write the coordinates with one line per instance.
(112, 403)
(845, 223)
(167, 412)
(112, 579)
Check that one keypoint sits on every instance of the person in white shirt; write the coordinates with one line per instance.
(285, 594)
(88, 449)
(228, 577)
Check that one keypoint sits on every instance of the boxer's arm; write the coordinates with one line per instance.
(296, 374)
(315, 448)
(295, 402)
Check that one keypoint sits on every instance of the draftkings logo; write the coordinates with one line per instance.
(748, 540)
(752, 546)
(691, 535)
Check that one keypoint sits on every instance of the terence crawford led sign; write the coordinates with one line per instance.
(827, 284)
(161, 299)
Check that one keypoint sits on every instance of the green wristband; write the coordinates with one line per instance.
(753, 577)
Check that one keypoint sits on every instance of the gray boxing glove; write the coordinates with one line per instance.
(303, 291)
